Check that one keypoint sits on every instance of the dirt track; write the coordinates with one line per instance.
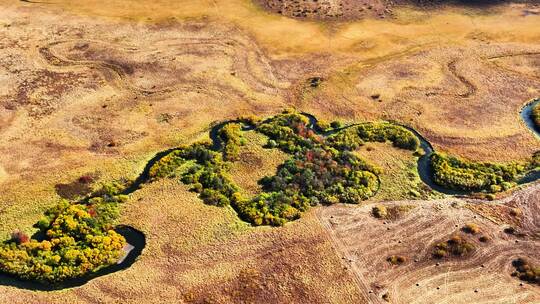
(482, 277)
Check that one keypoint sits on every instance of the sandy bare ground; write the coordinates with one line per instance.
(482, 277)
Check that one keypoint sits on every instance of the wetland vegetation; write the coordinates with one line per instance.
(456, 173)
(78, 238)
(73, 240)
(316, 173)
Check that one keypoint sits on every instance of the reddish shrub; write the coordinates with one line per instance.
(19, 237)
(86, 179)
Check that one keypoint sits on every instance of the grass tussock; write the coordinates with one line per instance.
(396, 259)
(471, 228)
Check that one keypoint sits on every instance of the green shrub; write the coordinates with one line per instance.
(231, 137)
(353, 137)
(250, 120)
(335, 124)
(456, 246)
(76, 238)
(526, 271)
(471, 228)
(455, 173)
(483, 239)
(395, 259)
(323, 125)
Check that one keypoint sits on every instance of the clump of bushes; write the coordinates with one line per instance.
(19, 237)
(471, 228)
(169, 165)
(315, 174)
(250, 120)
(455, 246)
(290, 132)
(75, 239)
(379, 211)
(231, 136)
(515, 212)
(325, 177)
(323, 125)
(391, 212)
(354, 137)
(455, 173)
(535, 160)
(526, 271)
(509, 230)
(396, 259)
(336, 124)
(203, 168)
(535, 113)
(483, 239)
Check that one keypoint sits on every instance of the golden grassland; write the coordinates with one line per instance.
(459, 76)
(191, 265)
(255, 162)
(399, 177)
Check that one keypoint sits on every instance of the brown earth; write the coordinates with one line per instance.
(338, 10)
(348, 10)
(481, 277)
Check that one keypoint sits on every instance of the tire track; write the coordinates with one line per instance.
(252, 65)
(357, 275)
(493, 60)
(481, 277)
(471, 88)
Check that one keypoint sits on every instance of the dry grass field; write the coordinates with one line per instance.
(99, 87)
(399, 178)
(255, 162)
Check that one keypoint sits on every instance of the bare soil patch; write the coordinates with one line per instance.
(481, 275)
(341, 10)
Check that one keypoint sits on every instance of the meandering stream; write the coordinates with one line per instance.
(136, 240)
(526, 116)
(424, 167)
